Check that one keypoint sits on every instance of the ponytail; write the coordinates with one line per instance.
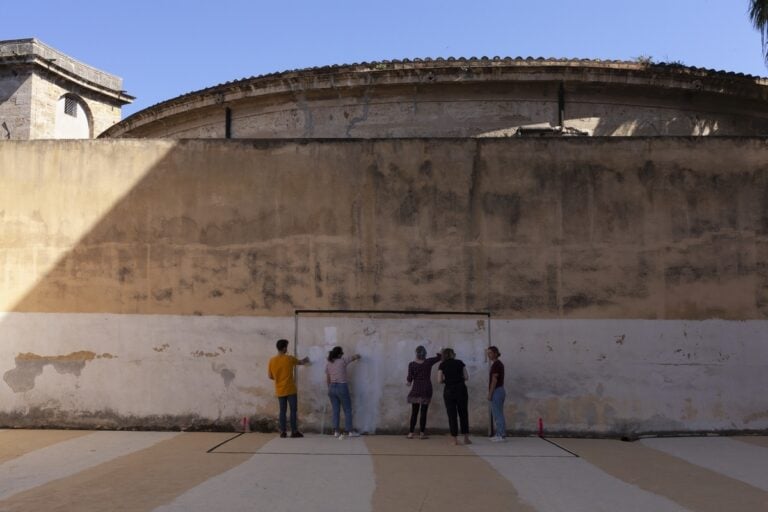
(334, 354)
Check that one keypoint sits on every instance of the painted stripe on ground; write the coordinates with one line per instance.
(313, 444)
(16, 443)
(289, 475)
(433, 476)
(519, 447)
(755, 440)
(138, 482)
(741, 461)
(69, 457)
(691, 486)
(565, 483)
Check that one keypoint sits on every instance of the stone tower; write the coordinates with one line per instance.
(45, 94)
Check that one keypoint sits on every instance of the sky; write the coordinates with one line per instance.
(164, 48)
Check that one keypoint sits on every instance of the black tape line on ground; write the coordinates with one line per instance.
(224, 442)
(564, 449)
(424, 455)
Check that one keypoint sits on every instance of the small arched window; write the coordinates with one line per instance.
(73, 119)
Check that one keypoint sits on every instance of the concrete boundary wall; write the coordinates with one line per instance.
(144, 283)
(597, 377)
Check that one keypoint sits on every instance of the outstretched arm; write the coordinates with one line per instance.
(436, 359)
(303, 361)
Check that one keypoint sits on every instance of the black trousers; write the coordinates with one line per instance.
(415, 408)
(456, 403)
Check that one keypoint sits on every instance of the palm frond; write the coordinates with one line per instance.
(758, 14)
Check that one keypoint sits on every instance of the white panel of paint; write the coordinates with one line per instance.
(387, 344)
(596, 376)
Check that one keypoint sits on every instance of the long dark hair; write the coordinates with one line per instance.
(334, 354)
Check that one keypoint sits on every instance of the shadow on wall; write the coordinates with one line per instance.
(599, 228)
(254, 229)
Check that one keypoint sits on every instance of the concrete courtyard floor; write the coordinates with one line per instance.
(69, 470)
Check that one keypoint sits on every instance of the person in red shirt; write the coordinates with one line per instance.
(281, 371)
(496, 394)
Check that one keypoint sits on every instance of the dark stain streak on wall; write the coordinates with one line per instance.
(524, 228)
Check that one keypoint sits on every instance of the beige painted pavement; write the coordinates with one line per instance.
(161, 471)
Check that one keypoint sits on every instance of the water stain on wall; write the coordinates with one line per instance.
(226, 374)
(756, 416)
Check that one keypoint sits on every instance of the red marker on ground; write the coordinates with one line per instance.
(541, 428)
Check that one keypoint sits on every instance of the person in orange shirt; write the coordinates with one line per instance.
(281, 371)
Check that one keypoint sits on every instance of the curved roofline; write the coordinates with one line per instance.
(665, 75)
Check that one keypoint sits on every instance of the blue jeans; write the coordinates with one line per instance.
(497, 410)
(288, 400)
(339, 395)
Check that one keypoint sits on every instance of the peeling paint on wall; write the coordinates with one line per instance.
(29, 366)
(200, 353)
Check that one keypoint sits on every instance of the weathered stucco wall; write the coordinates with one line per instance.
(15, 104)
(46, 93)
(28, 104)
(464, 98)
(145, 282)
(466, 110)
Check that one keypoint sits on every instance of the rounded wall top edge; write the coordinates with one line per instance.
(426, 73)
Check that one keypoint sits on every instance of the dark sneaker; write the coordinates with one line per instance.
(283, 435)
(297, 434)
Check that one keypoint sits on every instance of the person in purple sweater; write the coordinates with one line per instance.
(420, 380)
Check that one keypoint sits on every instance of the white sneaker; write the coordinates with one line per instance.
(337, 434)
(354, 433)
(497, 439)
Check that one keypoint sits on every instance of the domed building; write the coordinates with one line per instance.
(476, 97)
